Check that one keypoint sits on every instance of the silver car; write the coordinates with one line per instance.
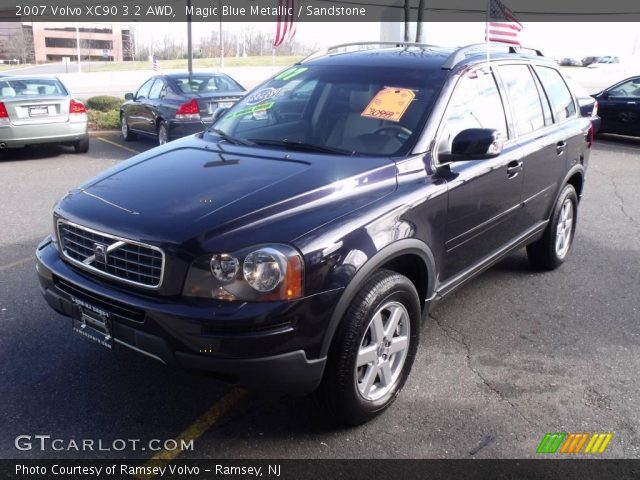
(37, 110)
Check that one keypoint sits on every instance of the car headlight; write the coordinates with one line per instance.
(261, 273)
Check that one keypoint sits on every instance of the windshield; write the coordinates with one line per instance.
(31, 87)
(372, 110)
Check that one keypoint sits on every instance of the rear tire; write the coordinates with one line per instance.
(373, 349)
(552, 249)
(127, 135)
(163, 133)
(82, 146)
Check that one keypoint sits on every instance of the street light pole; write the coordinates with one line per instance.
(78, 47)
(189, 41)
(220, 34)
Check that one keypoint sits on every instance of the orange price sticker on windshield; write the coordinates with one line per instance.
(389, 104)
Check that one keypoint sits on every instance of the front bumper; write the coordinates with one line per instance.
(265, 345)
(20, 135)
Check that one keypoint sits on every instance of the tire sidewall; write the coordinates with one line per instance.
(163, 126)
(568, 192)
(124, 124)
(352, 329)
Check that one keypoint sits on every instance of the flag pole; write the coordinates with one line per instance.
(486, 34)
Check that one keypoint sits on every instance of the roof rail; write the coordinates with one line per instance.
(335, 48)
(461, 53)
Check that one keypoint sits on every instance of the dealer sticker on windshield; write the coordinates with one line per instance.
(389, 104)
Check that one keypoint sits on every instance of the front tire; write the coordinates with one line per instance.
(373, 349)
(127, 135)
(552, 249)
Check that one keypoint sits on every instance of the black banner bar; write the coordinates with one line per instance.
(309, 10)
(566, 469)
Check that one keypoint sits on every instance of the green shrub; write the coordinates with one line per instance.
(104, 103)
(104, 120)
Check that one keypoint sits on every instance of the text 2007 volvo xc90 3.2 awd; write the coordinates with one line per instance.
(298, 243)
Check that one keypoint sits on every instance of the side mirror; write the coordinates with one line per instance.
(474, 144)
(219, 112)
(128, 96)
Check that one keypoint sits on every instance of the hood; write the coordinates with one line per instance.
(192, 190)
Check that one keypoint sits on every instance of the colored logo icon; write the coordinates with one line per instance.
(586, 443)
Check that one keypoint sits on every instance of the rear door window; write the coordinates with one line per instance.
(561, 99)
(523, 97)
(154, 93)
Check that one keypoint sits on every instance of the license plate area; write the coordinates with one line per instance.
(92, 323)
(38, 111)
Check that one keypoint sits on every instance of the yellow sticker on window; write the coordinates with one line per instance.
(389, 104)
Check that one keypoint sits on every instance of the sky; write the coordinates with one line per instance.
(554, 39)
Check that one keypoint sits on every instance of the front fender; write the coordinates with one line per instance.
(407, 246)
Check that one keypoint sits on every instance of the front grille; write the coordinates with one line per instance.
(114, 257)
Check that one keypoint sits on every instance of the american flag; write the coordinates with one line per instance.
(286, 25)
(154, 63)
(502, 24)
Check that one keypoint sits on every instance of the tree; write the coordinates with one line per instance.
(419, 22)
(407, 19)
(20, 45)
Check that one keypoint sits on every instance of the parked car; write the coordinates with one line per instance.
(175, 105)
(40, 110)
(569, 62)
(605, 62)
(588, 105)
(586, 61)
(300, 242)
(619, 107)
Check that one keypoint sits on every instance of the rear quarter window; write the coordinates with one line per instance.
(559, 95)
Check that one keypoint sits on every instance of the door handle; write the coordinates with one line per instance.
(561, 147)
(514, 168)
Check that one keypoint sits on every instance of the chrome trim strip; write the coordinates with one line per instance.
(114, 237)
(139, 350)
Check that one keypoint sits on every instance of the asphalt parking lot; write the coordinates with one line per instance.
(510, 356)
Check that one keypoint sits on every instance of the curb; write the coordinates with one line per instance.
(97, 133)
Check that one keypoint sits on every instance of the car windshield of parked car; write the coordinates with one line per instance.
(202, 84)
(30, 88)
(628, 89)
(368, 110)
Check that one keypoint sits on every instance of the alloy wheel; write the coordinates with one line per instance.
(564, 229)
(383, 351)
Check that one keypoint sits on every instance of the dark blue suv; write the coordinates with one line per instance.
(299, 243)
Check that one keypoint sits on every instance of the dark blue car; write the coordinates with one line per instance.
(619, 108)
(299, 243)
(171, 106)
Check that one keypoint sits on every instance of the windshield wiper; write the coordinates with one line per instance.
(231, 139)
(308, 147)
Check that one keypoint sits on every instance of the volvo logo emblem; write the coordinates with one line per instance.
(100, 252)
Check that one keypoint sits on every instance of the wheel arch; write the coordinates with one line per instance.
(410, 257)
(576, 179)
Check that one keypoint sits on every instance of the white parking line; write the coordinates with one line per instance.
(16, 263)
